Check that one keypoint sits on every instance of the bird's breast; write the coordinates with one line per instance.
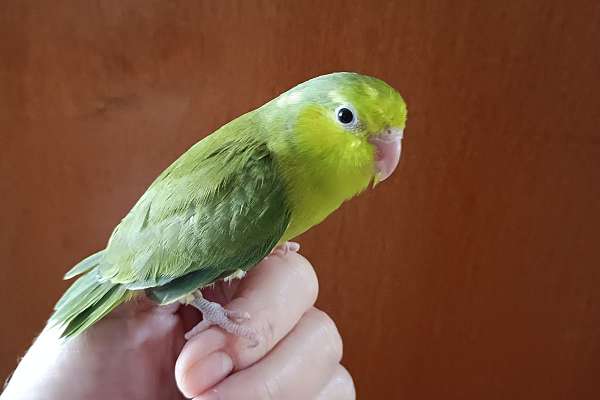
(315, 193)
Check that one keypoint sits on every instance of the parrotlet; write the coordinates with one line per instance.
(240, 194)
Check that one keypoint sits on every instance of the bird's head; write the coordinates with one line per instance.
(351, 123)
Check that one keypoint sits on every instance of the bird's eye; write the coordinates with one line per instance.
(346, 116)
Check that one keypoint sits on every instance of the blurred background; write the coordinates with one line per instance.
(473, 273)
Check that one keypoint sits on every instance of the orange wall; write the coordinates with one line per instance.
(472, 274)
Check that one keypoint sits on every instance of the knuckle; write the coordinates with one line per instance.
(306, 273)
(345, 383)
(268, 334)
(329, 333)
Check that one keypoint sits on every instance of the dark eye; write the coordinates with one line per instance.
(345, 116)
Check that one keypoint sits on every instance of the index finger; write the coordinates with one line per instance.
(276, 293)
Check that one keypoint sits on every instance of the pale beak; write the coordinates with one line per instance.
(388, 146)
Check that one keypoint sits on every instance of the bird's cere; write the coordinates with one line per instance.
(388, 146)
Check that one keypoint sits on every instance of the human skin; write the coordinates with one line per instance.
(138, 352)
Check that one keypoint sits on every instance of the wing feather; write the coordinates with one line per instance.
(221, 206)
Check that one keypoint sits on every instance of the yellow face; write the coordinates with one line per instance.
(355, 122)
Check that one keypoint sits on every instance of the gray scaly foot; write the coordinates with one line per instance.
(215, 314)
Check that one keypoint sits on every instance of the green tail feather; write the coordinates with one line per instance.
(87, 300)
(85, 265)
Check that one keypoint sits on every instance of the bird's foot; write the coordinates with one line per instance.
(215, 314)
(284, 248)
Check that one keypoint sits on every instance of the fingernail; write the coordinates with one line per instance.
(212, 395)
(208, 372)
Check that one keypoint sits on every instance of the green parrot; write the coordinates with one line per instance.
(239, 195)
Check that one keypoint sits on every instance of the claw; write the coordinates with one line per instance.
(284, 248)
(200, 327)
(237, 315)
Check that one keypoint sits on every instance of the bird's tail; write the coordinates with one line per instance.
(88, 299)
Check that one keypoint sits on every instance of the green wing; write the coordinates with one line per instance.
(219, 208)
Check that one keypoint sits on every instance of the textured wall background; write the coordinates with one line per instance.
(473, 273)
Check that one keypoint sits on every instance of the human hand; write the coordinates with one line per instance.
(132, 353)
